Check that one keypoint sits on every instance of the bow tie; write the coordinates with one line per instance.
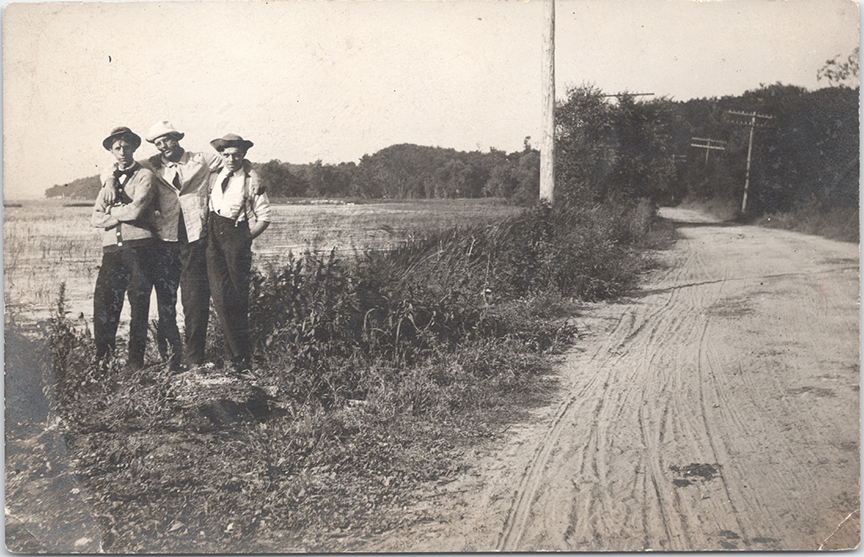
(126, 172)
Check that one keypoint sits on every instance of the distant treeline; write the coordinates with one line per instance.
(409, 171)
(398, 172)
(82, 188)
(609, 148)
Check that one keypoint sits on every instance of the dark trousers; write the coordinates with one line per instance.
(229, 263)
(195, 295)
(165, 276)
(121, 271)
(185, 265)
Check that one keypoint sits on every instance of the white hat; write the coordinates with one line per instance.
(163, 127)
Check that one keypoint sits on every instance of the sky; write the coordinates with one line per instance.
(309, 80)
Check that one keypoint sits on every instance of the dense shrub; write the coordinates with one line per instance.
(333, 329)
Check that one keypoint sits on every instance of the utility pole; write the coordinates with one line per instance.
(753, 123)
(547, 136)
(706, 144)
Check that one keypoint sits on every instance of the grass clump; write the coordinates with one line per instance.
(373, 374)
(812, 217)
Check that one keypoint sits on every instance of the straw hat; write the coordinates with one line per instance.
(163, 127)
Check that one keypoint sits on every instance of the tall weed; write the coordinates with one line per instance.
(323, 322)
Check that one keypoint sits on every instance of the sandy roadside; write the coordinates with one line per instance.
(718, 409)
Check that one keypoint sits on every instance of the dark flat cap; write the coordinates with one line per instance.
(231, 140)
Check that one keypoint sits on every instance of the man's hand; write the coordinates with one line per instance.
(108, 177)
(110, 194)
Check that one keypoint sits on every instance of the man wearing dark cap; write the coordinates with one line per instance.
(239, 212)
(127, 250)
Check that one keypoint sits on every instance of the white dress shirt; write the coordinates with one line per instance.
(236, 201)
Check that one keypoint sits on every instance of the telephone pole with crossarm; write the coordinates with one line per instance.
(708, 145)
(753, 123)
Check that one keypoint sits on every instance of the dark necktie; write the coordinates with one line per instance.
(119, 179)
(225, 182)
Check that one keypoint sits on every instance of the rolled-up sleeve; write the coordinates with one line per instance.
(261, 207)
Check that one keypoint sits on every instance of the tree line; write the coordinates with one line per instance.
(611, 148)
(616, 148)
(408, 171)
(404, 171)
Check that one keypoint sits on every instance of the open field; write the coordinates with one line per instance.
(46, 243)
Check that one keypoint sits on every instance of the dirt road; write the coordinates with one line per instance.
(718, 409)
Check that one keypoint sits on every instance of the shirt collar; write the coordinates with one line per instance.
(184, 158)
(243, 170)
(225, 173)
(130, 170)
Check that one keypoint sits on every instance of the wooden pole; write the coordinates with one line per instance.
(753, 125)
(747, 176)
(547, 142)
(718, 145)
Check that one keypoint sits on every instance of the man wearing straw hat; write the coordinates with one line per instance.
(182, 196)
(239, 212)
(128, 250)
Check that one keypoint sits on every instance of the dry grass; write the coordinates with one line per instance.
(347, 227)
(46, 243)
(836, 223)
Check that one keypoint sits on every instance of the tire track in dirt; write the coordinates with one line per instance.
(631, 324)
(717, 409)
(662, 359)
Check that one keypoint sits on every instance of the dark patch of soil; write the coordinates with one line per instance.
(694, 472)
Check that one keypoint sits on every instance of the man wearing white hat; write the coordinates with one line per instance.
(183, 179)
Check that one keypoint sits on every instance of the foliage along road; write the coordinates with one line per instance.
(716, 409)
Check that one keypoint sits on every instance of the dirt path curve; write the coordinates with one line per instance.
(718, 409)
